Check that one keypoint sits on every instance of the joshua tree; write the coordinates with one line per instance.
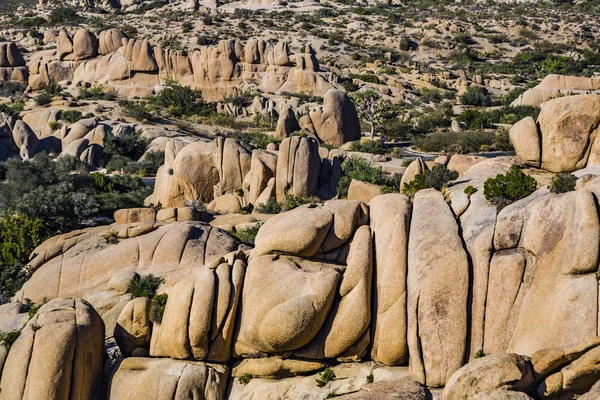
(371, 108)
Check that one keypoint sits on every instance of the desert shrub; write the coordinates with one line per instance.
(481, 119)
(325, 377)
(144, 286)
(356, 168)
(479, 354)
(247, 235)
(370, 378)
(70, 116)
(181, 101)
(476, 96)
(49, 190)
(257, 139)
(463, 142)
(157, 307)
(291, 202)
(368, 146)
(470, 190)
(510, 187)
(563, 182)
(43, 99)
(135, 109)
(245, 379)
(111, 237)
(8, 338)
(270, 207)
(96, 93)
(11, 88)
(371, 78)
(64, 15)
(131, 145)
(435, 178)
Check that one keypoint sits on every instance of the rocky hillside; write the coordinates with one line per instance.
(299, 200)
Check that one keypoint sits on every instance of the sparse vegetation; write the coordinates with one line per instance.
(245, 379)
(8, 338)
(325, 377)
(563, 182)
(111, 237)
(356, 168)
(247, 235)
(436, 178)
(508, 188)
(144, 286)
(157, 307)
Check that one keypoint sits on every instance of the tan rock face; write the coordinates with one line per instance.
(390, 221)
(525, 137)
(298, 167)
(568, 127)
(544, 269)
(10, 56)
(198, 320)
(461, 163)
(417, 167)
(58, 354)
(363, 191)
(488, 374)
(337, 122)
(145, 379)
(438, 285)
(133, 326)
(278, 288)
(82, 262)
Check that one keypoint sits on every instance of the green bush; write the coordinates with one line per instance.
(435, 178)
(563, 182)
(368, 146)
(49, 190)
(505, 189)
(325, 377)
(470, 190)
(463, 142)
(257, 139)
(130, 145)
(96, 93)
(8, 338)
(247, 235)
(135, 109)
(70, 116)
(43, 99)
(145, 286)
(356, 168)
(270, 207)
(181, 101)
(476, 96)
(111, 237)
(64, 15)
(157, 307)
(245, 379)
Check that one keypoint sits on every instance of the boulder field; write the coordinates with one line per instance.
(391, 296)
(398, 281)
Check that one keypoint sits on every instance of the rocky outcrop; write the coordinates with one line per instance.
(564, 139)
(145, 378)
(336, 122)
(553, 86)
(437, 286)
(58, 354)
(298, 167)
(335, 303)
(12, 64)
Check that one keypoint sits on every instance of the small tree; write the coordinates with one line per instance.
(371, 108)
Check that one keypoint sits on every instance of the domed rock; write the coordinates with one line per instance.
(85, 45)
(10, 55)
(525, 137)
(298, 167)
(25, 139)
(110, 41)
(337, 122)
(58, 354)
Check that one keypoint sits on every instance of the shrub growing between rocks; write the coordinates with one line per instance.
(144, 286)
(356, 168)
(157, 307)
(435, 178)
(563, 182)
(508, 188)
